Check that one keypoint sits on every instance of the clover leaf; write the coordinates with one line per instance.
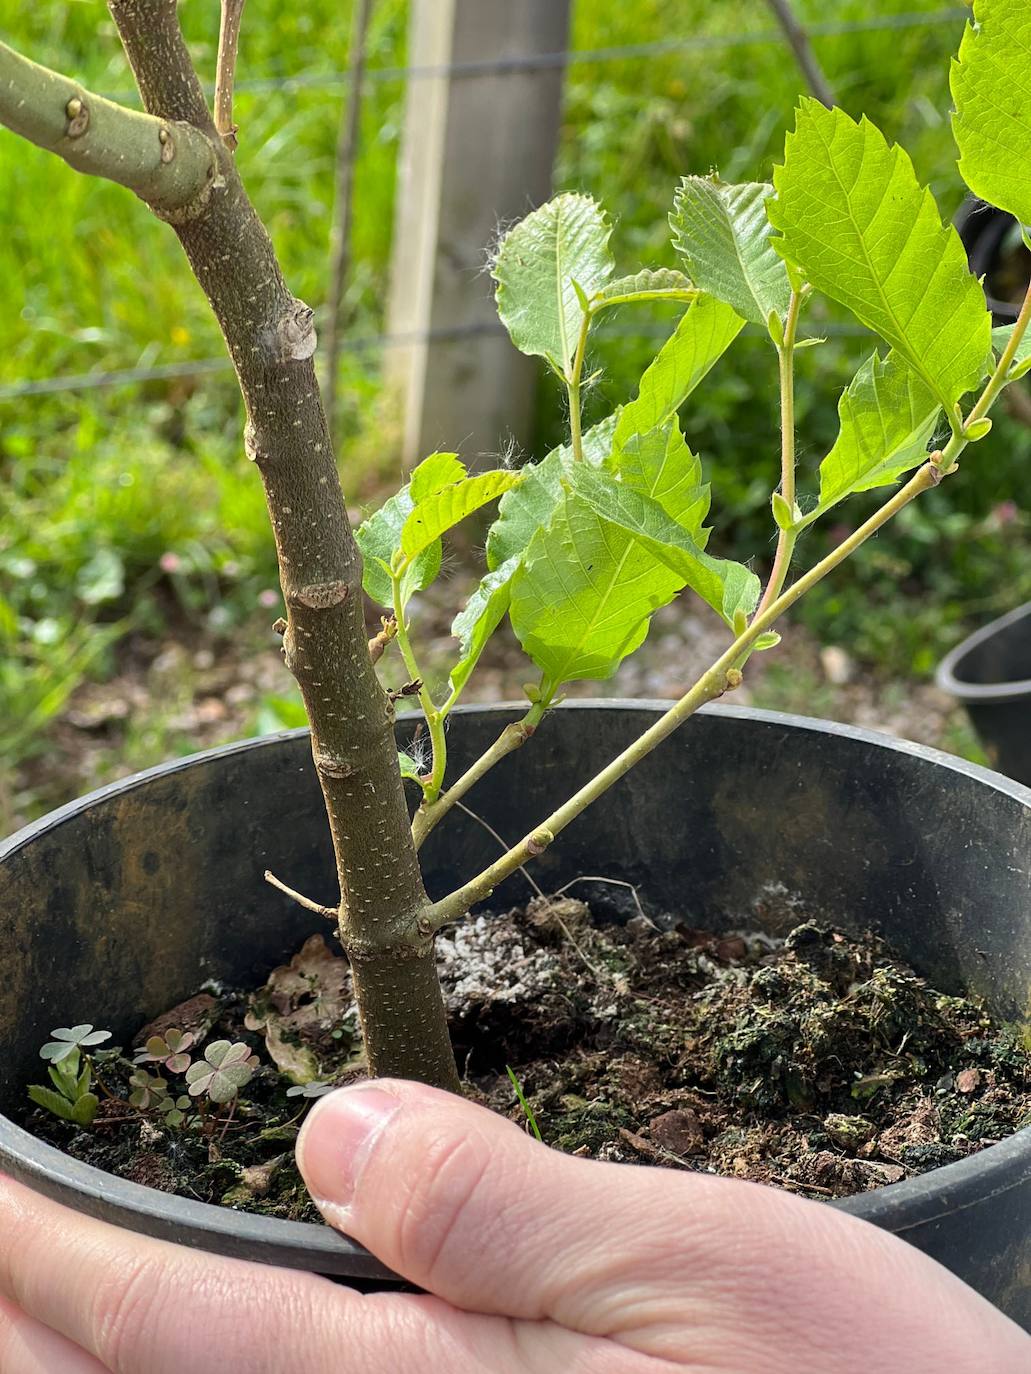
(223, 1072)
(69, 1040)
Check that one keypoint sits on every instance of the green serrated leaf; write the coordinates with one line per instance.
(583, 597)
(442, 510)
(661, 284)
(723, 235)
(379, 539)
(703, 335)
(437, 471)
(991, 85)
(535, 267)
(526, 508)
(728, 587)
(856, 221)
(887, 416)
(661, 465)
(480, 617)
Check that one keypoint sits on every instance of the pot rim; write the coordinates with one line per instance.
(948, 677)
(310, 1246)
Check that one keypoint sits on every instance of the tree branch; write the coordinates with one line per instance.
(161, 64)
(225, 69)
(271, 341)
(169, 165)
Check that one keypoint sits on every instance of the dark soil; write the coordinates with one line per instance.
(818, 1063)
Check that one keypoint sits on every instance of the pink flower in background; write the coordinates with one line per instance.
(170, 562)
(268, 598)
(1006, 512)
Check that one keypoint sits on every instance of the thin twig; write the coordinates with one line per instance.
(538, 889)
(802, 48)
(340, 241)
(306, 902)
(503, 843)
(225, 71)
(614, 882)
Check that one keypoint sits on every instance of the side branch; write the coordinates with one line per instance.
(169, 165)
(225, 73)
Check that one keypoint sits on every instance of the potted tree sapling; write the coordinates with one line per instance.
(818, 859)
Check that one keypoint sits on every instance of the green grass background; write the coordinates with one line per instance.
(97, 485)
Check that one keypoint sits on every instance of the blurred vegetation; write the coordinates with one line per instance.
(134, 508)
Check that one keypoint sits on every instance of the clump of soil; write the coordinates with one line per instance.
(818, 1063)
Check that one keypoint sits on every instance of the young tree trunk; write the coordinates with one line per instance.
(271, 340)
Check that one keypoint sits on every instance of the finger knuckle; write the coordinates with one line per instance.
(125, 1312)
(438, 1215)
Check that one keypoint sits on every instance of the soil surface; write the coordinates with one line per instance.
(818, 1063)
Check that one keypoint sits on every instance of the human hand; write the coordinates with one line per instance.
(533, 1262)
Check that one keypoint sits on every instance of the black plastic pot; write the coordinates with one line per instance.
(996, 252)
(121, 904)
(990, 673)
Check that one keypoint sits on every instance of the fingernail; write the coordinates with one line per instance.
(336, 1142)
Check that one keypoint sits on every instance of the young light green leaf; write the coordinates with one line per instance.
(379, 538)
(703, 335)
(783, 513)
(584, 593)
(444, 509)
(1001, 338)
(723, 235)
(535, 267)
(529, 506)
(409, 768)
(661, 465)
(728, 587)
(661, 284)
(434, 473)
(887, 417)
(480, 617)
(991, 85)
(856, 221)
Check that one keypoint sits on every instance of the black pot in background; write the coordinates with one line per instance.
(996, 252)
(118, 906)
(990, 673)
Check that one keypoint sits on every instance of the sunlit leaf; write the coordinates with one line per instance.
(437, 471)
(860, 227)
(537, 263)
(480, 617)
(703, 335)
(887, 415)
(661, 284)
(728, 587)
(379, 538)
(441, 510)
(991, 85)
(723, 236)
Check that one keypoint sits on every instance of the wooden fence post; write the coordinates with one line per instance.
(477, 153)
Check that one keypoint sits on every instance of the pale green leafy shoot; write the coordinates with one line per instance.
(887, 416)
(723, 235)
(858, 225)
(991, 86)
(70, 1070)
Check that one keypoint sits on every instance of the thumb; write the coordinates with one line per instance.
(464, 1204)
